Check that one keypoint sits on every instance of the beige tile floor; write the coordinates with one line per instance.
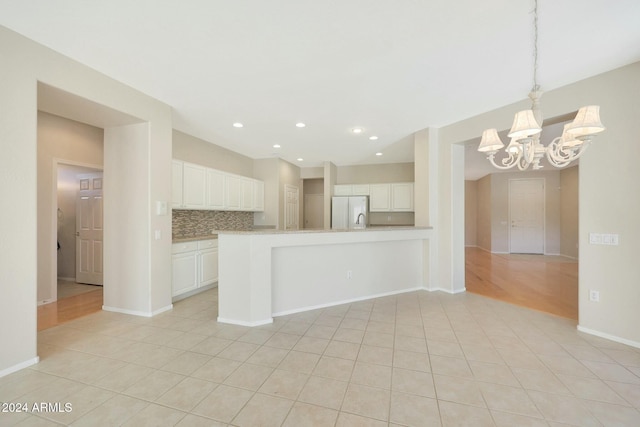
(417, 359)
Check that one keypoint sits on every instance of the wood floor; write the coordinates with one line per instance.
(69, 308)
(548, 284)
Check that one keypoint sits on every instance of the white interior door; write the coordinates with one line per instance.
(526, 210)
(89, 231)
(313, 211)
(291, 207)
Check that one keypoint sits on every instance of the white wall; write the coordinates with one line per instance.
(609, 200)
(24, 64)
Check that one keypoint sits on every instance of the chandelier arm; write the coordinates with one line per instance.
(508, 163)
(523, 164)
(559, 156)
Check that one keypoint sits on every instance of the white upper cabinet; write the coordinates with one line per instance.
(360, 189)
(189, 190)
(379, 198)
(176, 183)
(215, 189)
(246, 192)
(394, 197)
(342, 190)
(258, 195)
(402, 197)
(233, 195)
(198, 187)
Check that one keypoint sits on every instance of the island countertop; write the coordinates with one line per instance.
(323, 230)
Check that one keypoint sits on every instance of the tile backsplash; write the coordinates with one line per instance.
(192, 223)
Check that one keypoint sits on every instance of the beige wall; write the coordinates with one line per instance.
(276, 173)
(569, 218)
(195, 150)
(375, 174)
(60, 140)
(608, 198)
(314, 186)
(470, 213)
(483, 236)
(25, 65)
(266, 170)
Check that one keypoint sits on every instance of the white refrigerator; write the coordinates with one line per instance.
(349, 212)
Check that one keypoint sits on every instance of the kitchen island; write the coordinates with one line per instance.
(267, 273)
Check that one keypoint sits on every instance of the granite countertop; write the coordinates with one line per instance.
(214, 235)
(362, 230)
(194, 238)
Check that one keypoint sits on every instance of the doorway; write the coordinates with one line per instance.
(526, 216)
(291, 207)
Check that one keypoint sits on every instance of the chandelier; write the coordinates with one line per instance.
(525, 148)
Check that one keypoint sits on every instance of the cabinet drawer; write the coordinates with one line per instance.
(178, 248)
(208, 244)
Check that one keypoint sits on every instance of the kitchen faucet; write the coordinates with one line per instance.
(358, 220)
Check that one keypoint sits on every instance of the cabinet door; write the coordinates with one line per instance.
(402, 196)
(194, 186)
(208, 267)
(215, 189)
(258, 195)
(379, 198)
(360, 189)
(342, 190)
(176, 184)
(184, 272)
(232, 192)
(246, 191)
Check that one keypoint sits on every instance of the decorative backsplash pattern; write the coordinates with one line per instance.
(188, 223)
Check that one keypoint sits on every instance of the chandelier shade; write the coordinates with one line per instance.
(490, 141)
(587, 121)
(524, 125)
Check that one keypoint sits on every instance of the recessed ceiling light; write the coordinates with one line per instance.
(276, 145)
(237, 125)
(356, 130)
(300, 125)
(378, 154)
(300, 159)
(373, 138)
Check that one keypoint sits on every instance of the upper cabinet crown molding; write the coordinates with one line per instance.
(198, 187)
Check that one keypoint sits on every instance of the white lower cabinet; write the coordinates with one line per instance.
(195, 265)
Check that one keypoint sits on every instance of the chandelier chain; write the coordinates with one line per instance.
(535, 46)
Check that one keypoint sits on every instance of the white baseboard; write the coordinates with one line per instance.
(609, 337)
(67, 279)
(448, 291)
(136, 312)
(242, 323)
(347, 301)
(19, 366)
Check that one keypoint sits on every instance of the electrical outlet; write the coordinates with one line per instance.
(594, 296)
(349, 274)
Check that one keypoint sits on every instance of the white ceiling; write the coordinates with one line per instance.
(390, 67)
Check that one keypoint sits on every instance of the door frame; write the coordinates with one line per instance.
(53, 238)
(544, 210)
